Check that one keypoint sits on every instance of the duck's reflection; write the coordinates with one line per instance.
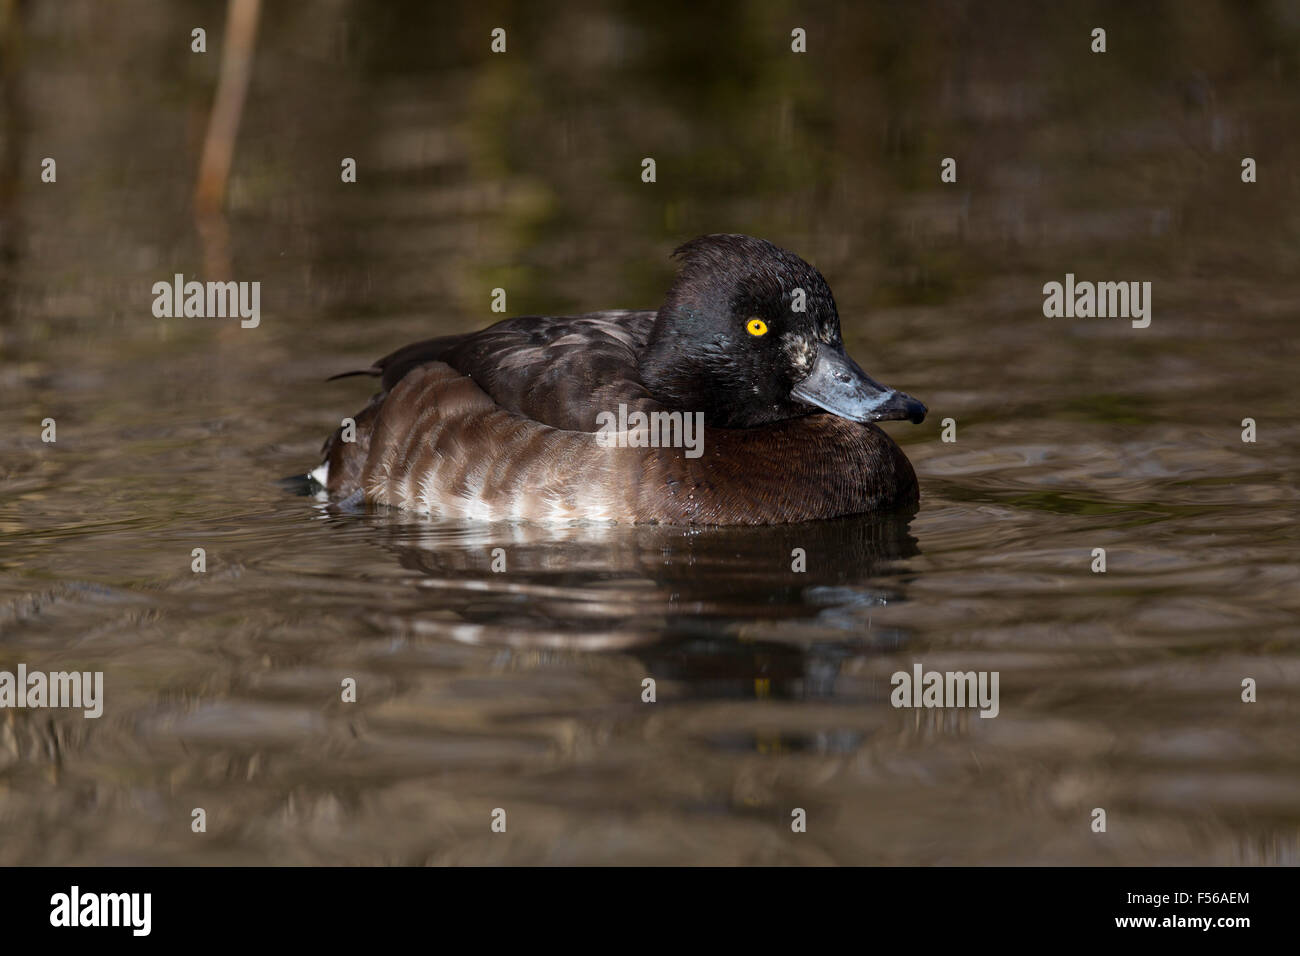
(735, 612)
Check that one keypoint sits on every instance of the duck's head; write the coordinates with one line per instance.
(732, 342)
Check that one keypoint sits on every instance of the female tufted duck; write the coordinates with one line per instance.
(590, 417)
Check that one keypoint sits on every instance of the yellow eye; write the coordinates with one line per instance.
(756, 327)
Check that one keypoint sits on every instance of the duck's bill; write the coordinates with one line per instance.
(838, 385)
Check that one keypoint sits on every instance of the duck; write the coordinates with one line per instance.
(553, 418)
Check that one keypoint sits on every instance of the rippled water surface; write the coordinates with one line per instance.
(522, 690)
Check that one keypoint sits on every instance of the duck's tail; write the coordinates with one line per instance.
(344, 453)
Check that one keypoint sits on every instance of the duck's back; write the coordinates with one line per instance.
(560, 371)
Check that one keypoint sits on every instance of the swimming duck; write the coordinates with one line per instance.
(547, 418)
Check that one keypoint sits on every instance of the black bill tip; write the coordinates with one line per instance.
(838, 385)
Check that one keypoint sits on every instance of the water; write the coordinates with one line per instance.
(522, 690)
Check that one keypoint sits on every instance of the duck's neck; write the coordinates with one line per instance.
(672, 370)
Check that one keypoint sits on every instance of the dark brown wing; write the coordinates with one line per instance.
(561, 371)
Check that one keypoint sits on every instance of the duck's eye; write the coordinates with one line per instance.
(756, 327)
